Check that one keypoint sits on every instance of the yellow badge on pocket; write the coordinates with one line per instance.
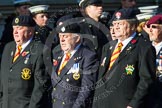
(76, 75)
(26, 74)
(129, 69)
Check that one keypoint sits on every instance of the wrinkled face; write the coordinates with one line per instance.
(41, 19)
(122, 29)
(112, 32)
(22, 34)
(155, 33)
(128, 3)
(68, 41)
(23, 10)
(94, 11)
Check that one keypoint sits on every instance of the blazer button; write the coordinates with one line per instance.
(10, 70)
(54, 100)
(63, 103)
(67, 79)
(54, 89)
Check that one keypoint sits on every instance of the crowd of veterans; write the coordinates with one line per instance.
(88, 60)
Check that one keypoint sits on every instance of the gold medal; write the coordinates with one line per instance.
(76, 75)
(26, 74)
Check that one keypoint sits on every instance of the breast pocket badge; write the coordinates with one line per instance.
(26, 74)
(129, 69)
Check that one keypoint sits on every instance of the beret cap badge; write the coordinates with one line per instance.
(118, 15)
(63, 29)
(16, 20)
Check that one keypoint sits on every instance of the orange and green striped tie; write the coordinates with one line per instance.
(67, 57)
(115, 54)
(18, 51)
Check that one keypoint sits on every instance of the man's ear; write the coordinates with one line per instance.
(133, 27)
(77, 39)
(31, 31)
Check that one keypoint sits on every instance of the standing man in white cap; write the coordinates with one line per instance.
(40, 15)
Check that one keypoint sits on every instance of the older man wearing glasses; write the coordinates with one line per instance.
(155, 34)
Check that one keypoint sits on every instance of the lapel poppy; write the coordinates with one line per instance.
(25, 53)
(133, 41)
(55, 62)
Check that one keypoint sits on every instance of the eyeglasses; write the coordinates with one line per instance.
(153, 26)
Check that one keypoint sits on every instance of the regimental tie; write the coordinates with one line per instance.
(17, 54)
(115, 54)
(67, 57)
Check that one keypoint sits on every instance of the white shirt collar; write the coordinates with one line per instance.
(157, 47)
(73, 52)
(24, 45)
(126, 41)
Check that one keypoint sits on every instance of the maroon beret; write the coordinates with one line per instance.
(157, 19)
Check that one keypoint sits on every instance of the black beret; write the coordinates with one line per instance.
(68, 28)
(85, 3)
(125, 13)
(24, 20)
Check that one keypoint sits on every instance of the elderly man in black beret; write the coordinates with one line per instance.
(23, 78)
(21, 8)
(127, 67)
(74, 70)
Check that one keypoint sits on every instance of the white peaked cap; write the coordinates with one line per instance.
(144, 16)
(38, 9)
(145, 9)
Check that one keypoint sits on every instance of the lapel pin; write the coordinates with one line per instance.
(27, 59)
(77, 58)
(129, 48)
(25, 53)
(55, 62)
(59, 57)
(12, 53)
(103, 62)
(111, 47)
